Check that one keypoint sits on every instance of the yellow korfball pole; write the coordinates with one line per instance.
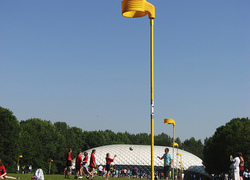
(152, 96)
(171, 121)
(140, 8)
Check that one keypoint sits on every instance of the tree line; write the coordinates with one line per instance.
(40, 141)
(227, 140)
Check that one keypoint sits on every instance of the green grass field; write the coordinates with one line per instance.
(56, 177)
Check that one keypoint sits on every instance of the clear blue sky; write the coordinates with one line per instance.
(83, 63)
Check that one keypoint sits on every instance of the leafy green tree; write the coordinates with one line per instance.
(193, 146)
(178, 141)
(92, 139)
(163, 140)
(229, 139)
(121, 138)
(9, 137)
(39, 143)
(142, 139)
(62, 129)
(108, 137)
(71, 137)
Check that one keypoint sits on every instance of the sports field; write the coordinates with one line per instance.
(57, 177)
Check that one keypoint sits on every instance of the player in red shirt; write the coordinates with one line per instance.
(78, 164)
(92, 163)
(241, 166)
(85, 165)
(68, 162)
(3, 173)
(108, 163)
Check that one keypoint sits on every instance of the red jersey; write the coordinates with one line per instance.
(78, 161)
(69, 157)
(86, 159)
(92, 160)
(241, 163)
(2, 170)
(109, 160)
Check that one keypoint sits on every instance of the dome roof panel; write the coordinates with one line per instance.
(140, 155)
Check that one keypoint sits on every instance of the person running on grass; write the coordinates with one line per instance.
(92, 164)
(85, 165)
(78, 165)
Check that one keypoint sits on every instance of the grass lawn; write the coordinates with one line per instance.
(57, 177)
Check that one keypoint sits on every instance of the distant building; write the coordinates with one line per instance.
(129, 156)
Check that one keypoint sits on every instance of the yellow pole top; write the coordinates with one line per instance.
(169, 121)
(137, 8)
(175, 144)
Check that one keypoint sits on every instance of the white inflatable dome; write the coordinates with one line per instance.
(140, 156)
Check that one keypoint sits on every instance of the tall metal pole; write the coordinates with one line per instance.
(177, 163)
(152, 95)
(140, 8)
(173, 148)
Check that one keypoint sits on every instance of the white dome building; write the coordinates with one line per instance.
(129, 156)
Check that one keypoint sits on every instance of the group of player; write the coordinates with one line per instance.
(81, 164)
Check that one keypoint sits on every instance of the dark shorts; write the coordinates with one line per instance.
(78, 166)
(241, 172)
(166, 171)
(107, 167)
(68, 163)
